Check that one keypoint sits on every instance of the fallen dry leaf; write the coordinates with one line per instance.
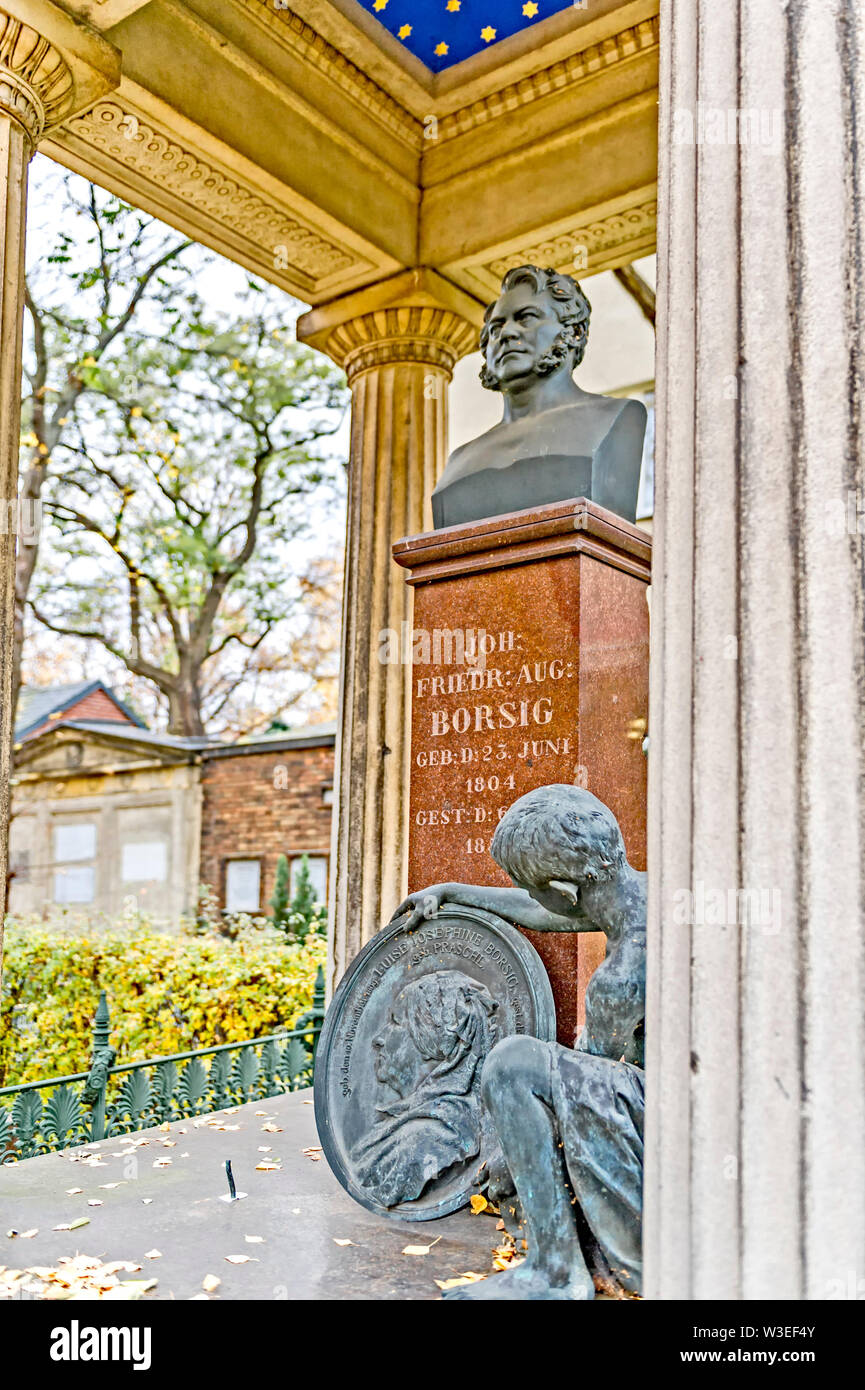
(74, 1278)
(161, 1162)
(469, 1278)
(254, 1240)
(210, 1283)
(313, 1153)
(265, 1148)
(478, 1203)
(342, 1242)
(73, 1225)
(94, 1201)
(130, 1289)
(73, 1191)
(153, 1254)
(108, 1185)
(265, 1166)
(506, 1255)
(420, 1249)
(145, 1201)
(241, 1259)
(271, 1128)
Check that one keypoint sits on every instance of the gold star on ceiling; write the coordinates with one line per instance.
(380, 5)
(488, 34)
(404, 32)
(441, 50)
(454, 5)
(530, 10)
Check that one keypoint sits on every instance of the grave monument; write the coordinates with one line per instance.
(437, 1073)
(531, 626)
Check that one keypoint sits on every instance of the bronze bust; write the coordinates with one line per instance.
(555, 440)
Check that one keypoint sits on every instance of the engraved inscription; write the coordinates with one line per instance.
(482, 738)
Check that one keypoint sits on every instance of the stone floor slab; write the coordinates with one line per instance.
(175, 1208)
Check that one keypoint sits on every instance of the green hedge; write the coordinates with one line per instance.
(166, 992)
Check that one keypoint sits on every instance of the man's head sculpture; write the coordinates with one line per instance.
(556, 339)
(430, 1053)
(555, 440)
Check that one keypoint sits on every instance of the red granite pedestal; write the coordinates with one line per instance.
(552, 604)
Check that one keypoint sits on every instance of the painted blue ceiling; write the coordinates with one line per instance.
(444, 32)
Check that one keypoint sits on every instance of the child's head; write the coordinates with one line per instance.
(558, 835)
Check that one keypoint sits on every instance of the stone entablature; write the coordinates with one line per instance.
(379, 165)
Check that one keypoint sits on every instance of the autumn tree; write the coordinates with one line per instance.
(106, 268)
(191, 463)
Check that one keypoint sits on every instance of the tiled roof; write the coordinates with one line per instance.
(36, 703)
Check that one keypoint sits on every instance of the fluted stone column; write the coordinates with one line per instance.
(50, 67)
(755, 1143)
(398, 343)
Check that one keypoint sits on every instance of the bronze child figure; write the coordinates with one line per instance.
(570, 1123)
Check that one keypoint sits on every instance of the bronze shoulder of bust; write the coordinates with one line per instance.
(555, 441)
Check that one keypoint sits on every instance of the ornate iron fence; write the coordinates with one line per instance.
(87, 1106)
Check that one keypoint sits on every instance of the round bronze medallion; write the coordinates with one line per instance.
(397, 1075)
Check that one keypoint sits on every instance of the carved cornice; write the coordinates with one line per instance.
(291, 242)
(355, 83)
(591, 61)
(577, 248)
(414, 333)
(36, 83)
(560, 76)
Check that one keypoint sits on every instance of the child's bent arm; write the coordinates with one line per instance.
(514, 904)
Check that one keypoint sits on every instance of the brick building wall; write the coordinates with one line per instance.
(259, 802)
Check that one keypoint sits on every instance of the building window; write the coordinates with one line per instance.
(73, 842)
(74, 881)
(317, 873)
(145, 862)
(242, 885)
